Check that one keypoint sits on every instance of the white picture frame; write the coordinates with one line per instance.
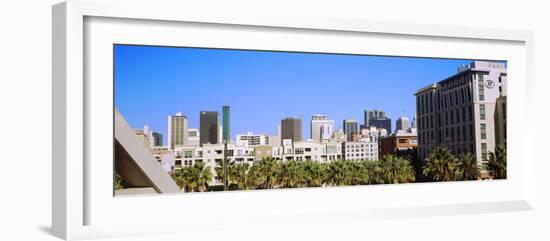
(82, 210)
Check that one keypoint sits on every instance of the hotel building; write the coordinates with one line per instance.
(458, 112)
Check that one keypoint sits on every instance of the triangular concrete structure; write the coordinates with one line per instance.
(135, 163)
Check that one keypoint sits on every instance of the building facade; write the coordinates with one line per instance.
(193, 137)
(401, 142)
(157, 139)
(321, 127)
(226, 128)
(209, 127)
(351, 129)
(500, 121)
(402, 123)
(251, 139)
(360, 151)
(458, 112)
(177, 130)
(291, 129)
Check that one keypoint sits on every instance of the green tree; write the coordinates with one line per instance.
(193, 178)
(268, 172)
(291, 174)
(496, 164)
(254, 178)
(358, 173)
(314, 173)
(468, 168)
(338, 173)
(238, 175)
(219, 170)
(396, 170)
(441, 166)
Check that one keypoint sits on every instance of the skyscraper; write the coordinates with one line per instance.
(177, 130)
(378, 119)
(321, 127)
(351, 129)
(226, 134)
(209, 127)
(157, 139)
(402, 123)
(291, 128)
(373, 114)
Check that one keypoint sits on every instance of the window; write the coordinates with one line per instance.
(484, 151)
(188, 154)
(299, 151)
(481, 88)
(483, 131)
(482, 112)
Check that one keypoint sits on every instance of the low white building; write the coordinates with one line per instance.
(360, 151)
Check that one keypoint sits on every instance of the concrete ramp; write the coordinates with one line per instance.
(135, 163)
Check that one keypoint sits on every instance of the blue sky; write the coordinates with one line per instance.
(262, 87)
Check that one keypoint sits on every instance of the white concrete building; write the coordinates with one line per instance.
(193, 137)
(321, 127)
(360, 151)
(251, 139)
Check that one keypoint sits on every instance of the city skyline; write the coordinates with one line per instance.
(250, 82)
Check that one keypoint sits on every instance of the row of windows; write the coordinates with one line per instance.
(452, 134)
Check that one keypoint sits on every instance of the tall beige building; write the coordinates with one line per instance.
(458, 112)
(177, 130)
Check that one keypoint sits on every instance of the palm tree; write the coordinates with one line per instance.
(219, 170)
(496, 164)
(375, 172)
(193, 178)
(395, 169)
(254, 178)
(358, 173)
(337, 173)
(237, 175)
(468, 168)
(441, 166)
(314, 173)
(269, 169)
(291, 174)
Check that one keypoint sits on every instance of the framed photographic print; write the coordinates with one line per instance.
(172, 113)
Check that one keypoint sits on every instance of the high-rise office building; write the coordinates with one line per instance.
(373, 114)
(291, 129)
(382, 123)
(402, 123)
(209, 127)
(351, 129)
(378, 119)
(321, 127)
(157, 139)
(226, 134)
(458, 112)
(177, 130)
